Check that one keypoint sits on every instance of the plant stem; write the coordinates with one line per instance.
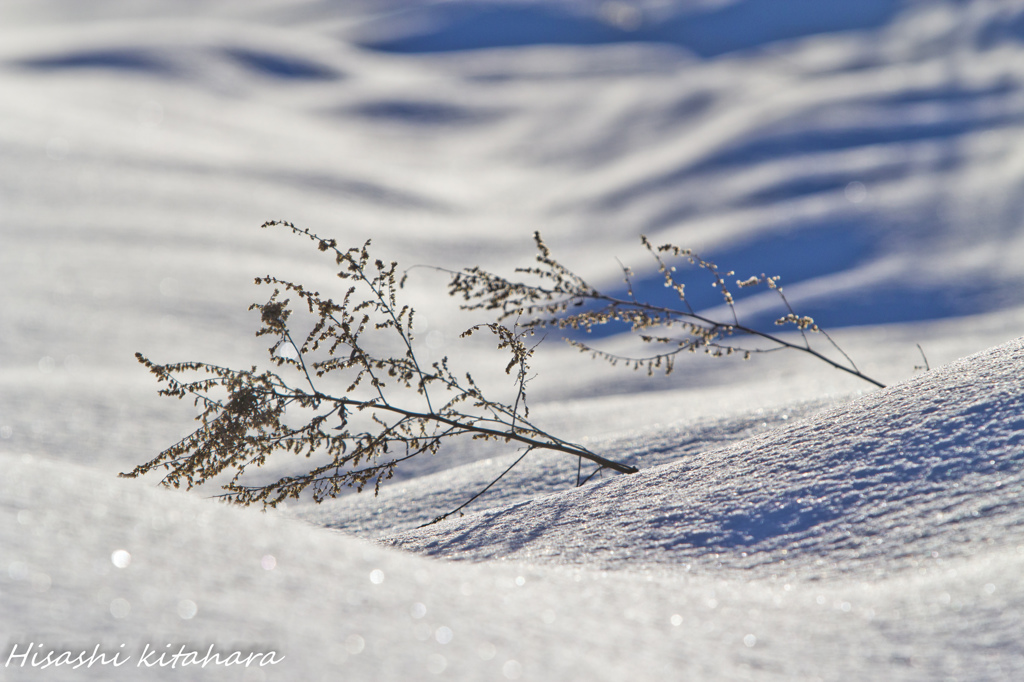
(746, 330)
(471, 500)
(551, 443)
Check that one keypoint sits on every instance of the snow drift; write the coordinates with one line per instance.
(881, 538)
(932, 467)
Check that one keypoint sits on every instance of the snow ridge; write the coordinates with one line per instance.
(930, 467)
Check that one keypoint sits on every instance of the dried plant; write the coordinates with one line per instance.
(389, 408)
(563, 300)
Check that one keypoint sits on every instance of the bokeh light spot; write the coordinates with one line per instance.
(121, 558)
(187, 609)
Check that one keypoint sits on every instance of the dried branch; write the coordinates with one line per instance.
(563, 300)
(390, 409)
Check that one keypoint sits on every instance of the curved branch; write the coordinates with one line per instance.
(545, 442)
(670, 312)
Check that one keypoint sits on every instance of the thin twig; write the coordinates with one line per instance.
(746, 330)
(550, 303)
(486, 488)
(924, 357)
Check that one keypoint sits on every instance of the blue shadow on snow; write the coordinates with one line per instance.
(412, 112)
(795, 256)
(280, 66)
(808, 253)
(771, 521)
(119, 60)
(738, 26)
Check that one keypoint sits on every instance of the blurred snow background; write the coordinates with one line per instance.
(868, 152)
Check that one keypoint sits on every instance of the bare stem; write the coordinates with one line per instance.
(746, 330)
(470, 501)
(542, 440)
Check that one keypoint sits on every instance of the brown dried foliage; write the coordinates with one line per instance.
(390, 409)
(559, 298)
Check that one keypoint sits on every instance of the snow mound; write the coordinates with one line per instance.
(929, 468)
(87, 560)
(93, 561)
(424, 494)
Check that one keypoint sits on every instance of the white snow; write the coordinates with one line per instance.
(813, 499)
(788, 522)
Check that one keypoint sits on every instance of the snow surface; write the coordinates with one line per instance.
(789, 522)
